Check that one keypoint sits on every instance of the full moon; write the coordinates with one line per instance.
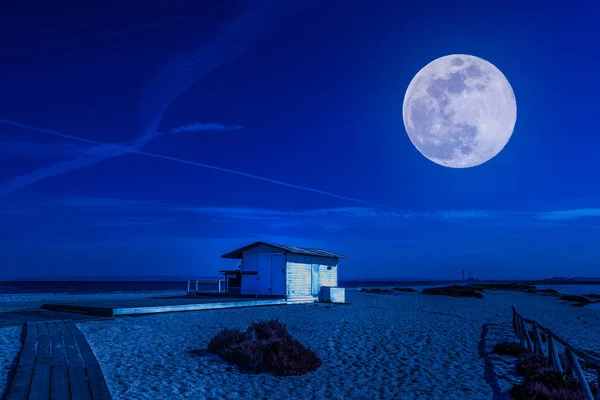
(459, 111)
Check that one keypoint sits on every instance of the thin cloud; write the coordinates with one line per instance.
(564, 215)
(468, 214)
(358, 213)
(196, 127)
(101, 216)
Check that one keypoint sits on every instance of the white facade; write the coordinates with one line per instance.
(267, 270)
(333, 294)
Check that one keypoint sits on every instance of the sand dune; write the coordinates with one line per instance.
(405, 346)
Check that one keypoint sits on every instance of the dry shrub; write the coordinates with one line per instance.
(544, 383)
(512, 349)
(264, 347)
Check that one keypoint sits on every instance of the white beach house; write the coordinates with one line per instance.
(296, 273)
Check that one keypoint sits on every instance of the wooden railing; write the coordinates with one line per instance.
(193, 285)
(572, 354)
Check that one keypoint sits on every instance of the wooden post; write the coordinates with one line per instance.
(598, 385)
(514, 320)
(188, 290)
(553, 355)
(582, 379)
(521, 334)
(539, 342)
(527, 337)
(551, 351)
(568, 362)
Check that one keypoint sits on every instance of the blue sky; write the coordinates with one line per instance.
(151, 141)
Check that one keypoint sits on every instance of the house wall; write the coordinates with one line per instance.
(298, 279)
(249, 284)
(271, 271)
(300, 274)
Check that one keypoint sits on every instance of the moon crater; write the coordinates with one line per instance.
(459, 111)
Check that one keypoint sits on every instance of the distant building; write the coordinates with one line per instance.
(296, 273)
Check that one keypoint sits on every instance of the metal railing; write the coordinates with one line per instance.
(193, 286)
(572, 353)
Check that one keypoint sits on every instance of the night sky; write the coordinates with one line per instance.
(307, 94)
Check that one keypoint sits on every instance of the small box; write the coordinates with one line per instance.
(332, 294)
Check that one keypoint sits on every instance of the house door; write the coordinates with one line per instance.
(278, 274)
(315, 280)
(264, 274)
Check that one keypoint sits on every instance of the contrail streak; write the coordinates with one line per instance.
(119, 149)
(234, 39)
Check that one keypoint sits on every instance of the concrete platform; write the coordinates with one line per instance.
(154, 305)
(36, 315)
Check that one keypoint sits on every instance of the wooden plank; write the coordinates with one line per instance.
(40, 382)
(19, 387)
(78, 382)
(582, 379)
(97, 383)
(59, 377)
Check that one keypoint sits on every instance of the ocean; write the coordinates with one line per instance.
(84, 287)
(88, 287)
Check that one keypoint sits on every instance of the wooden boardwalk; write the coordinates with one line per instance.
(57, 363)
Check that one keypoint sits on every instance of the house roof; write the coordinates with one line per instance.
(305, 251)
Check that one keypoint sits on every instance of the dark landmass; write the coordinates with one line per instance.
(454, 291)
(503, 286)
(531, 282)
(407, 290)
(571, 279)
(376, 291)
(549, 291)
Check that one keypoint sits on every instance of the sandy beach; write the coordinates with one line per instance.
(404, 346)
(10, 346)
